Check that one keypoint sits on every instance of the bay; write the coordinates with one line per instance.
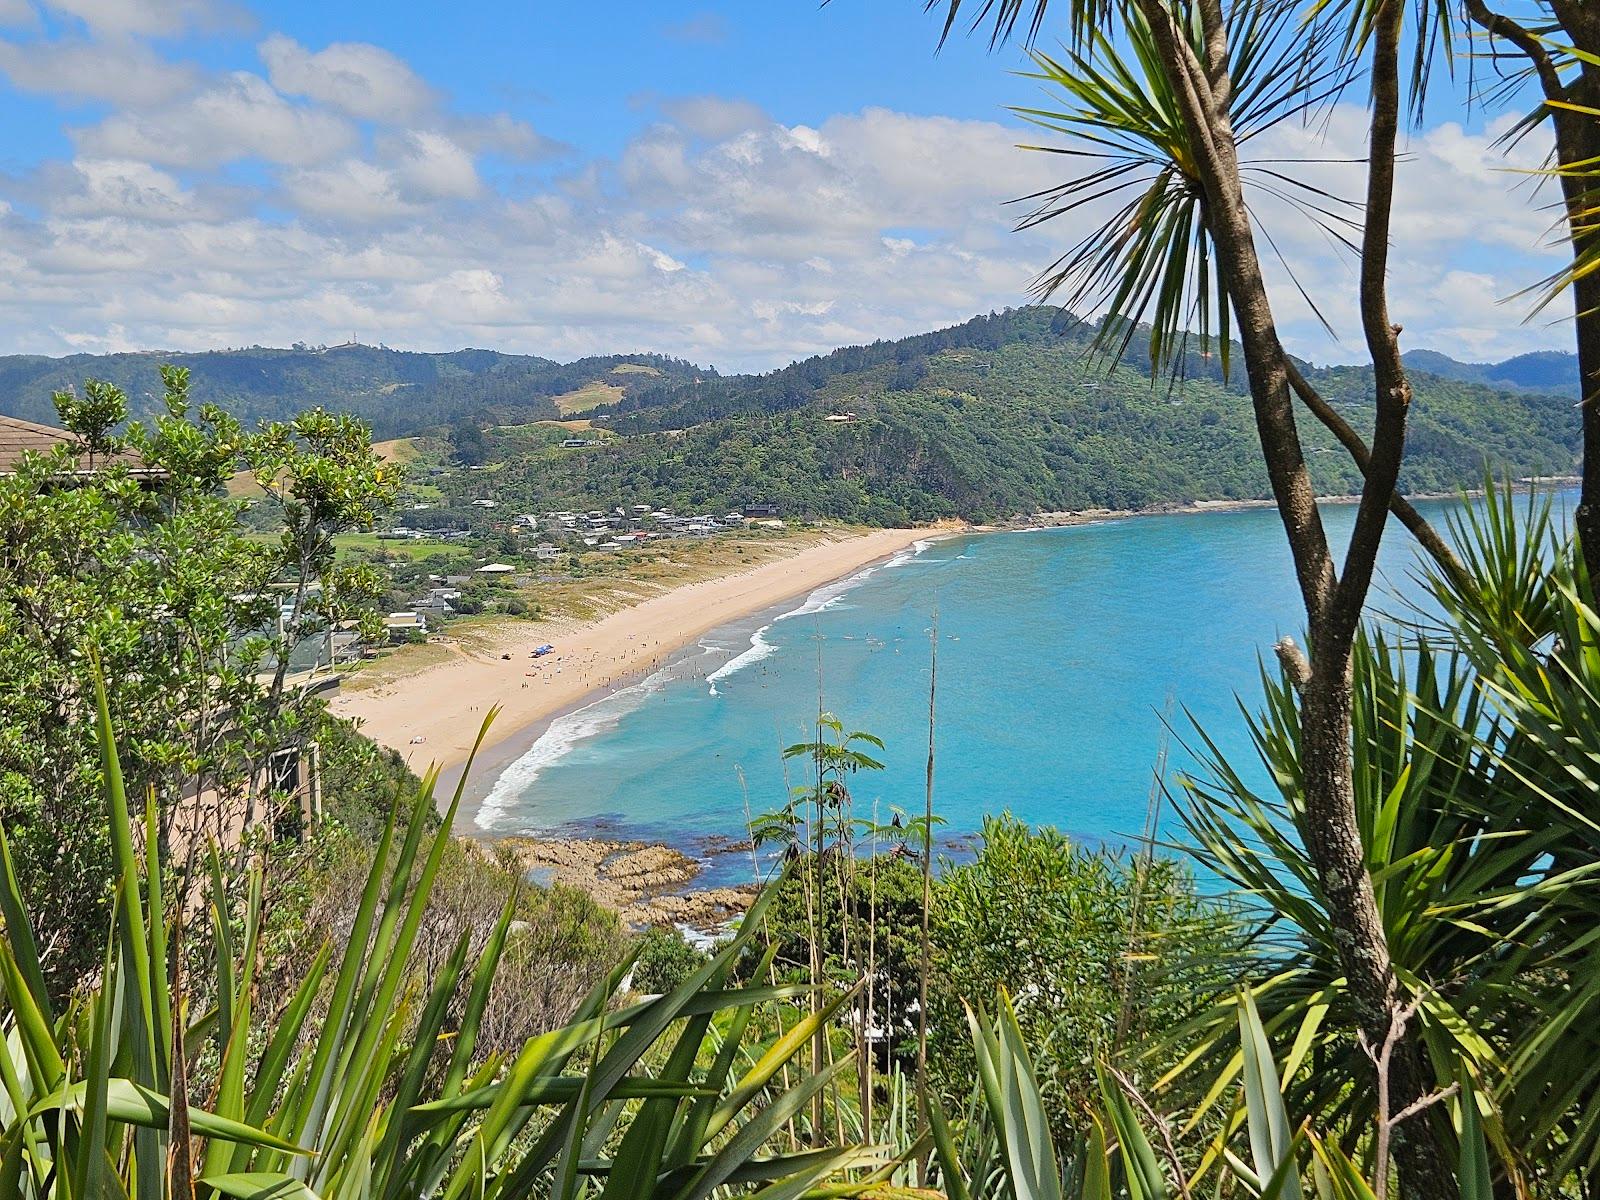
(1063, 655)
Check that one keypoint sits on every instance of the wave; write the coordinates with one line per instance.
(759, 648)
(824, 598)
(558, 739)
(604, 714)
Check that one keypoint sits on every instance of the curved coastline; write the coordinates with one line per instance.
(444, 705)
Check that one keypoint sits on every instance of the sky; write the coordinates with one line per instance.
(740, 184)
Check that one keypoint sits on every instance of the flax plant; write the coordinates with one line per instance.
(367, 1086)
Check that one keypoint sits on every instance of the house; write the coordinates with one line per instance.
(437, 601)
(345, 646)
(546, 552)
(402, 626)
(844, 418)
(486, 503)
(19, 437)
(496, 569)
(577, 443)
(761, 510)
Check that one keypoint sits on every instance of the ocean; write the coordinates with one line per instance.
(1067, 659)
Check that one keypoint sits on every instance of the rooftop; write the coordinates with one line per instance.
(18, 437)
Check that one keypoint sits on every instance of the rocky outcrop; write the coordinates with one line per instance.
(646, 883)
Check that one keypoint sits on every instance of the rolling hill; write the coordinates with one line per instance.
(1002, 414)
(397, 392)
(1541, 371)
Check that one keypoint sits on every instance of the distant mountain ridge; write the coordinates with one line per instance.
(397, 392)
(1553, 371)
(400, 392)
(1003, 415)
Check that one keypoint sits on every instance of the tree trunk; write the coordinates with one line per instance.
(1577, 138)
(1336, 850)
(1333, 606)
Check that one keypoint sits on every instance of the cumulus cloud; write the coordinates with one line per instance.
(713, 117)
(155, 18)
(340, 192)
(355, 78)
(349, 191)
(120, 71)
(237, 116)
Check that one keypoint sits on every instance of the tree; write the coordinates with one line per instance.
(1106, 952)
(1559, 41)
(141, 558)
(1168, 122)
(468, 446)
(157, 579)
(321, 474)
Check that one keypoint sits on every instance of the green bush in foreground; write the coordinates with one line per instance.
(383, 1093)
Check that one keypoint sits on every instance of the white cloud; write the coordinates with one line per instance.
(356, 78)
(133, 190)
(349, 191)
(501, 133)
(15, 13)
(121, 71)
(713, 117)
(435, 167)
(156, 18)
(366, 206)
(237, 116)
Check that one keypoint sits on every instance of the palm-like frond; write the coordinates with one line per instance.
(1476, 753)
(385, 1095)
(1151, 260)
(1268, 1149)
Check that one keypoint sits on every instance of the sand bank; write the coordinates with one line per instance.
(433, 715)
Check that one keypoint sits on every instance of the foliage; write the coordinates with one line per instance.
(160, 579)
(1012, 416)
(384, 1095)
(362, 782)
(1474, 740)
(662, 960)
(142, 555)
(1267, 1151)
(396, 392)
(1105, 952)
(561, 946)
(319, 471)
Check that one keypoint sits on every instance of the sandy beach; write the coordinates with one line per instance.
(433, 715)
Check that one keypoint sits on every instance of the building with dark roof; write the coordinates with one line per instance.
(19, 437)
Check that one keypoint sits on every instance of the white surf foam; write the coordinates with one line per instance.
(605, 714)
(824, 598)
(555, 742)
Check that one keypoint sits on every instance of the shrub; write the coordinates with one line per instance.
(663, 958)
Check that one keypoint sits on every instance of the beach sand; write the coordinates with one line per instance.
(443, 704)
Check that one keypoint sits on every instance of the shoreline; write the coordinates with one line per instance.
(673, 894)
(444, 704)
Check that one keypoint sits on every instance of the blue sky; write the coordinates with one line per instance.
(735, 183)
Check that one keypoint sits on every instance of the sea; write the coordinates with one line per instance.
(1075, 668)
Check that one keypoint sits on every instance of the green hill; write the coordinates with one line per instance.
(397, 392)
(1002, 415)
(1541, 371)
(1006, 413)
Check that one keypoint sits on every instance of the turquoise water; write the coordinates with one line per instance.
(1059, 651)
